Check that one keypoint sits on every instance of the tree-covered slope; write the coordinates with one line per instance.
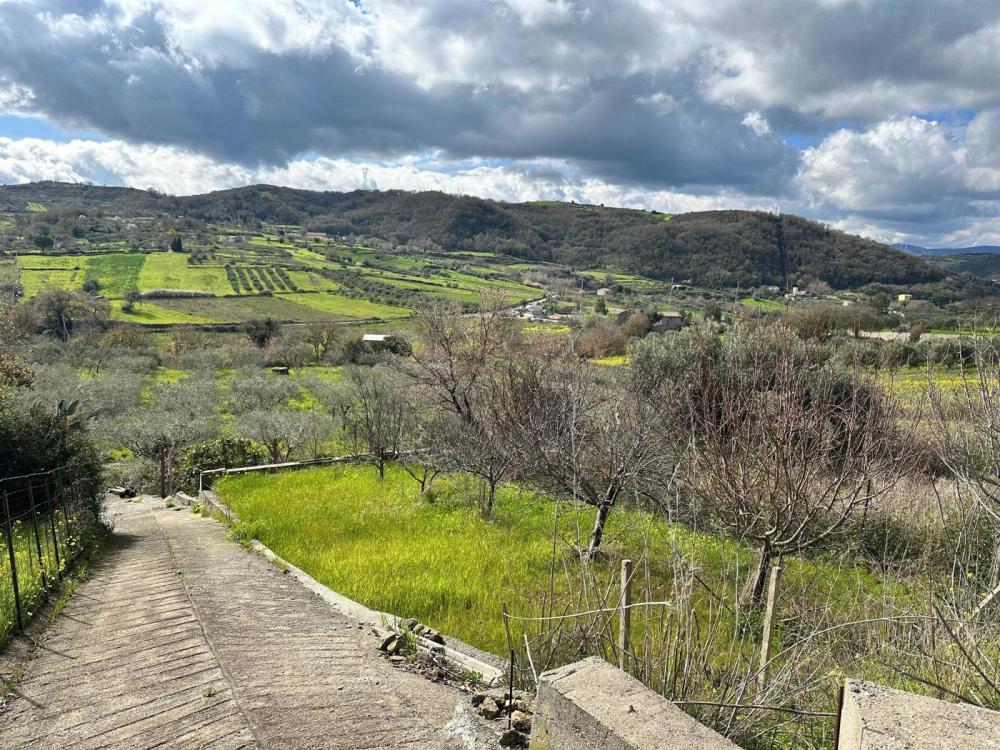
(712, 248)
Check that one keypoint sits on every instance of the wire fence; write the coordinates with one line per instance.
(48, 518)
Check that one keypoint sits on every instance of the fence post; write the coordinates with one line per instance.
(765, 642)
(625, 615)
(52, 527)
(62, 504)
(38, 539)
(13, 562)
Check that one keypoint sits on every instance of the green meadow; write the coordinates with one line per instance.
(436, 558)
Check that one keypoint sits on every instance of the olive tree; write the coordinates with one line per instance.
(782, 447)
(254, 390)
(175, 415)
(286, 432)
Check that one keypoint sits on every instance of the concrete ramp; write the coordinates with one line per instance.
(182, 639)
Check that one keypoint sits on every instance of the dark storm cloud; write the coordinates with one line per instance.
(684, 98)
(131, 83)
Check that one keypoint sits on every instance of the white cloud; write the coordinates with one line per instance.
(669, 104)
(181, 172)
(910, 179)
(757, 123)
(904, 164)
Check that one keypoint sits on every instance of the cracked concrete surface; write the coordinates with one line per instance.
(182, 639)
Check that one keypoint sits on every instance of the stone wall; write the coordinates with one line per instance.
(879, 718)
(591, 705)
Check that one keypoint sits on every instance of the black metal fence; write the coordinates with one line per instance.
(47, 520)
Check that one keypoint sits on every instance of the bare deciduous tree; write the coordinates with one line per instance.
(580, 436)
(967, 426)
(382, 412)
(456, 350)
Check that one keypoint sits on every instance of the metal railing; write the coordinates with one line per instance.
(45, 521)
(206, 477)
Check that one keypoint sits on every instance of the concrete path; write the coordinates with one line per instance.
(183, 639)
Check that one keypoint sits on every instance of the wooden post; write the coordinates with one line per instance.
(765, 638)
(625, 615)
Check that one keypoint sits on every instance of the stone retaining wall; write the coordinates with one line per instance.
(880, 718)
(591, 705)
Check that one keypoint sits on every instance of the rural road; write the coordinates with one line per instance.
(182, 639)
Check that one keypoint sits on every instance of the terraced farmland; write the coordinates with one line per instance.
(225, 277)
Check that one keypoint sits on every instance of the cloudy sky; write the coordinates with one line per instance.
(878, 116)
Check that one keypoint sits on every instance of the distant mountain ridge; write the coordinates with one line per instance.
(719, 249)
(972, 249)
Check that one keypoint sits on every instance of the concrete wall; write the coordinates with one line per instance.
(879, 718)
(591, 705)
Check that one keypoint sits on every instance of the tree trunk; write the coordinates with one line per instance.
(163, 472)
(753, 590)
(275, 455)
(491, 494)
(603, 511)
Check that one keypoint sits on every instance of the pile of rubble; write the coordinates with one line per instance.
(509, 713)
(401, 644)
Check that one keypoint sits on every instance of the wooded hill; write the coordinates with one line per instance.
(720, 249)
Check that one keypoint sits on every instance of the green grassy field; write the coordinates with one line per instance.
(764, 305)
(239, 268)
(115, 274)
(285, 307)
(39, 279)
(151, 313)
(437, 559)
(172, 271)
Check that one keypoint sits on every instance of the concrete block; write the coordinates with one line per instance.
(880, 718)
(591, 705)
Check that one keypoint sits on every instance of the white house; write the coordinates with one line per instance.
(375, 337)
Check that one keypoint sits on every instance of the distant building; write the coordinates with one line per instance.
(796, 292)
(669, 321)
(375, 337)
(535, 310)
(904, 297)
(603, 292)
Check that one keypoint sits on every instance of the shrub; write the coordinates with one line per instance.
(224, 452)
(39, 439)
(234, 280)
(361, 352)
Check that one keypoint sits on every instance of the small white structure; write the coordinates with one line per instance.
(535, 310)
(603, 292)
(904, 298)
(375, 337)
